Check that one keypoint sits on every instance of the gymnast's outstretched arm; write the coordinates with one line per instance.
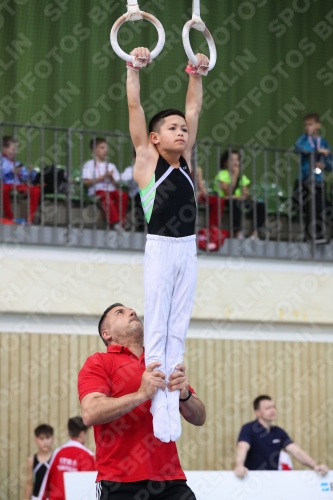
(193, 104)
(137, 121)
(146, 155)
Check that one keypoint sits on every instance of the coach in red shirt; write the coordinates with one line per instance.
(115, 390)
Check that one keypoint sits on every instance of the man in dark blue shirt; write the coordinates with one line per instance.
(260, 443)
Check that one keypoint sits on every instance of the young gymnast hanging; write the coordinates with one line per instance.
(162, 171)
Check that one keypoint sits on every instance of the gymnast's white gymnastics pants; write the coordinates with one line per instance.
(170, 272)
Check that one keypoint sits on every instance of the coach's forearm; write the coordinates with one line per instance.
(102, 410)
(133, 88)
(193, 411)
(194, 95)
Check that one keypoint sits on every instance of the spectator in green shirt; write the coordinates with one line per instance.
(231, 185)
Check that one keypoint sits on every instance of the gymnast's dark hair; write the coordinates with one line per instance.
(156, 120)
(100, 323)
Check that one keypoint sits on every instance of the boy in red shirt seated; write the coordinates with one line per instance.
(70, 457)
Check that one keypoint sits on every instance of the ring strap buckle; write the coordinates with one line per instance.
(198, 23)
(133, 13)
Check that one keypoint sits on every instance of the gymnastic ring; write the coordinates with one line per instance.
(199, 25)
(133, 14)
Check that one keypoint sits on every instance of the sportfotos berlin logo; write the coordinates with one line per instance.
(326, 486)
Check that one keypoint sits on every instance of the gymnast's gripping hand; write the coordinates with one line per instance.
(151, 381)
(178, 381)
(202, 66)
(140, 58)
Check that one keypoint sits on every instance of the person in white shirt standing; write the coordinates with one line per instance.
(102, 179)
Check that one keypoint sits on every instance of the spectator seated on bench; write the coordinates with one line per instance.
(233, 186)
(101, 178)
(15, 177)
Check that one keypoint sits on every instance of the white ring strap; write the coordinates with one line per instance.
(134, 14)
(197, 23)
(196, 7)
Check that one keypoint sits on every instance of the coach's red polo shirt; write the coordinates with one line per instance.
(126, 449)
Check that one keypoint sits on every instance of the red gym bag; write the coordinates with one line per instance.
(212, 239)
(5, 221)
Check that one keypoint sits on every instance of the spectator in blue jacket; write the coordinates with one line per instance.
(316, 157)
